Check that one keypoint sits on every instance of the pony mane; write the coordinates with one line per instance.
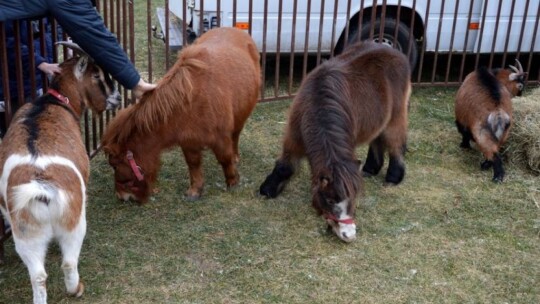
(173, 94)
(346, 178)
(329, 143)
(330, 139)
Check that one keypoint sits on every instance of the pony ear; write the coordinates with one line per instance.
(324, 181)
(80, 67)
(106, 150)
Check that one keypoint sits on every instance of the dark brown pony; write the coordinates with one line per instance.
(201, 103)
(360, 96)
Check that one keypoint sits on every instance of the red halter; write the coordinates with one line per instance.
(347, 221)
(63, 99)
(136, 169)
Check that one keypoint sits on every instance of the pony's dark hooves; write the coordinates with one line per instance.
(394, 180)
(267, 191)
(367, 174)
(390, 184)
(395, 175)
(192, 196)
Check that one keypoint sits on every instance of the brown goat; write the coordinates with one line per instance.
(483, 111)
(45, 170)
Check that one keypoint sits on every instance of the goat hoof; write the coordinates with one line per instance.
(79, 291)
(497, 179)
(486, 165)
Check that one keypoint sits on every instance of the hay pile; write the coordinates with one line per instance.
(523, 146)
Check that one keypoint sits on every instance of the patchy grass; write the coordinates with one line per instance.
(446, 235)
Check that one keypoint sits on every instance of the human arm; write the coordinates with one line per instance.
(85, 26)
(81, 21)
(142, 87)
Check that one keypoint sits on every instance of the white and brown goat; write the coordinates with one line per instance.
(45, 170)
(483, 111)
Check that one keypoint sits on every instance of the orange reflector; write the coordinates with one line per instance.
(474, 26)
(242, 25)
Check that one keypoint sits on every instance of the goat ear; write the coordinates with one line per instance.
(80, 67)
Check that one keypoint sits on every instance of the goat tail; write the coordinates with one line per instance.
(498, 122)
(42, 200)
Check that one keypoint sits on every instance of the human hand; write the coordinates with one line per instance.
(141, 88)
(49, 68)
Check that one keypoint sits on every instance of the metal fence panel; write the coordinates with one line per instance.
(445, 40)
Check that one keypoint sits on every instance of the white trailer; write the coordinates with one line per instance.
(471, 26)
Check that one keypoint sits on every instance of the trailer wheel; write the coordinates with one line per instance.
(402, 42)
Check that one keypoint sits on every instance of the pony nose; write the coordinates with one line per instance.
(347, 232)
(348, 237)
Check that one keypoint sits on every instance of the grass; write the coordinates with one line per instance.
(446, 235)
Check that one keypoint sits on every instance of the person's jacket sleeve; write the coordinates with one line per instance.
(84, 25)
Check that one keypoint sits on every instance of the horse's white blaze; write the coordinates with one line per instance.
(346, 232)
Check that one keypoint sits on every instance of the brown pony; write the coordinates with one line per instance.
(360, 96)
(45, 171)
(202, 102)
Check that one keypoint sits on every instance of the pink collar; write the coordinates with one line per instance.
(136, 169)
(347, 221)
(63, 99)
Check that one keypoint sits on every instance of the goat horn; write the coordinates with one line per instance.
(513, 68)
(519, 66)
(75, 47)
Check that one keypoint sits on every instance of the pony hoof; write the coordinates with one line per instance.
(192, 196)
(232, 184)
(367, 174)
(268, 192)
